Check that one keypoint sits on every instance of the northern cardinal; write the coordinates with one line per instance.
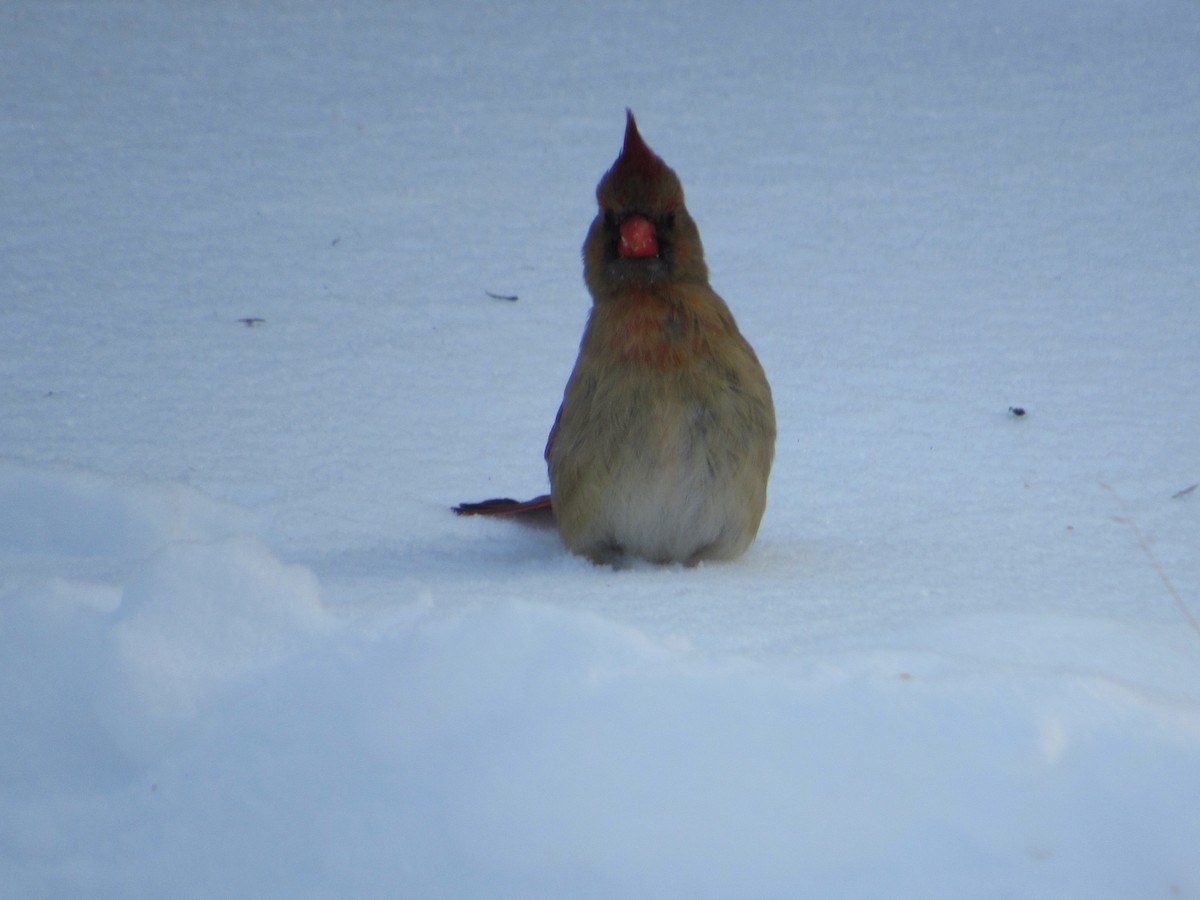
(664, 441)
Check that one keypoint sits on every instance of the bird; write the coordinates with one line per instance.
(663, 445)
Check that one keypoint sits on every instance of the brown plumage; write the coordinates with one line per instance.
(664, 441)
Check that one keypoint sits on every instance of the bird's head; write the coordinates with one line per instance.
(643, 234)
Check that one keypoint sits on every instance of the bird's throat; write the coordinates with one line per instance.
(649, 331)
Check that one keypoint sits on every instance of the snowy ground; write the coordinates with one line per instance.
(245, 649)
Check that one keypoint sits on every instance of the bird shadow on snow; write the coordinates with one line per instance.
(460, 548)
(503, 554)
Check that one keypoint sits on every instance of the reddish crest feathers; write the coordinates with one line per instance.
(639, 179)
(635, 155)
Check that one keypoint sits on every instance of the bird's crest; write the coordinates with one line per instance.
(639, 177)
(635, 155)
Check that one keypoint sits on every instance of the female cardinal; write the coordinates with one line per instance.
(664, 441)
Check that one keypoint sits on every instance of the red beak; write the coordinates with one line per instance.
(638, 238)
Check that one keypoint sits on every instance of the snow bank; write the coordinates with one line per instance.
(124, 607)
(197, 702)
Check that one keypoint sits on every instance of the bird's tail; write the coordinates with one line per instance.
(537, 508)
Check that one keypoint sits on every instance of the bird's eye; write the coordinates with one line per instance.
(669, 220)
(610, 220)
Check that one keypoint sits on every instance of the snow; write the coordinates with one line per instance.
(246, 650)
